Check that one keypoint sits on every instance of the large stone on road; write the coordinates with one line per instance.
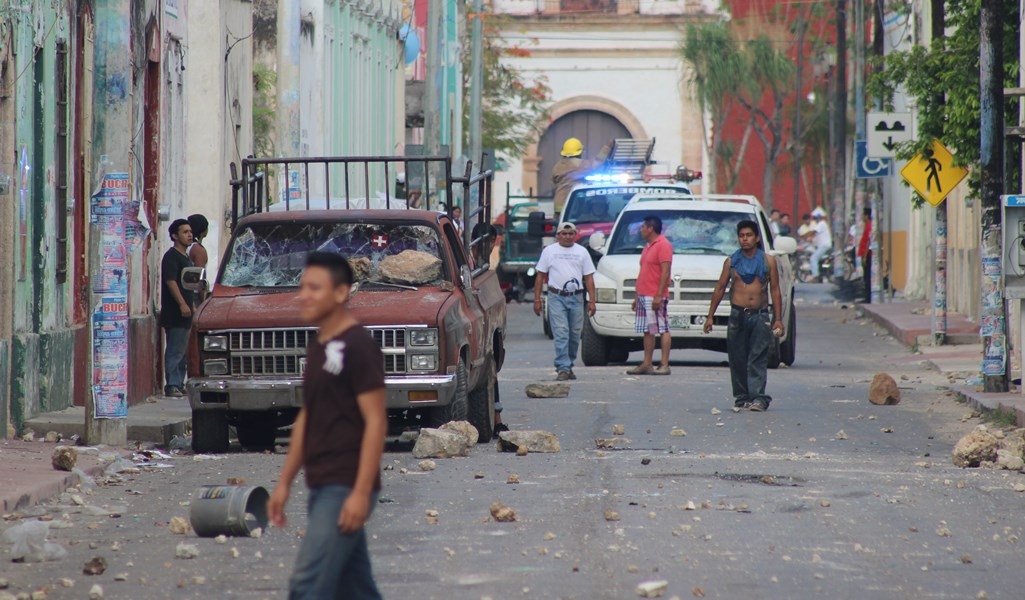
(532, 440)
(883, 390)
(437, 443)
(411, 267)
(547, 390)
(463, 428)
(64, 458)
(975, 448)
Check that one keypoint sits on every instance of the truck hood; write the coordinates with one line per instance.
(238, 308)
(613, 270)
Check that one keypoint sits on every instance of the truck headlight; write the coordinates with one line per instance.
(423, 337)
(423, 362)
(215, 343)
(215, 366)
(606, 295)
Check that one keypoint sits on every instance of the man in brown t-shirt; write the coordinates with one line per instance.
(338, 439)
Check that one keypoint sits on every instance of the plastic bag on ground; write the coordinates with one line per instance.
(119, 464)
(85, 481)
(30, 543)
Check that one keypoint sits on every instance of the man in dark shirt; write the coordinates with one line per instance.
(175, 307)
(338, 439)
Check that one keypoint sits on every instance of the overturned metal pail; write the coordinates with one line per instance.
(228, 510)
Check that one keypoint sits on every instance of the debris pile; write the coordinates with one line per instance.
(991, 449)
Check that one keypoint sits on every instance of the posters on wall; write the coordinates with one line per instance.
(113, 211)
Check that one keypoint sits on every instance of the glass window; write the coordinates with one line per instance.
(690, 231)
(603, 204)
(274, 254)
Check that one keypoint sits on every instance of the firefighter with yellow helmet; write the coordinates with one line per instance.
(572, 168)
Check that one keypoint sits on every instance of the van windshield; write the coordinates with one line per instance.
(690, 231)
(274, 254)
(603, 204)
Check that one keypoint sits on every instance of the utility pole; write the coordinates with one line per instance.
(476, 81)
(840, 130)
(939, 314)
(859, 114)
(802, 27)
(991, 175)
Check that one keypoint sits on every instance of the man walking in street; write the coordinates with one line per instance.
(822, 241)
(865, 252)
(753, 277)
(337, 439)
(568, 270)
(651, 303)
(176, 305)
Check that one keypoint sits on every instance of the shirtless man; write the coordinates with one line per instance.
(753, 276)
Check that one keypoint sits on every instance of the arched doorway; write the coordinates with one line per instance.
(592, 127)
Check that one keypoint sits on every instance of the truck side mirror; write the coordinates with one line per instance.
(785, 244)
(194, 279)
(536, 224)
(596, 241)
(465, 277)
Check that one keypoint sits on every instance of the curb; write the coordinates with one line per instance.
(19, 499)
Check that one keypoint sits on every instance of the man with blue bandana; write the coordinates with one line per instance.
(753, 276)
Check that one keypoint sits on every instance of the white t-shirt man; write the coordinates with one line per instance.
(566, 266)
(823, 237)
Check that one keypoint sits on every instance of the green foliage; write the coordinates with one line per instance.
(943, 83)
(264, 80)
(512, 104)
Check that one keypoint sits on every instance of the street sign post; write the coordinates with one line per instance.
(870, 167)
(933, 174)
(885, 131)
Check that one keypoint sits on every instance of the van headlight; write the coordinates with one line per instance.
(423, 362)
(423, 337)
(215, 343)
(605, 295)
(215, 366)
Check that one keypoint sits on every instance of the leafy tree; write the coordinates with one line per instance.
(264, 82)
(943, 81)
(512, 104)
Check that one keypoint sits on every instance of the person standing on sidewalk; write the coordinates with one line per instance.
(337, 439)
(197, 252)
(865, 252)
(753, 276)
(651, 305)
(176, 305)
(568, 270)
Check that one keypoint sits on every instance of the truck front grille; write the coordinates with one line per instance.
(269, 340)
(280, 352)
(389, 338)
(265, 365)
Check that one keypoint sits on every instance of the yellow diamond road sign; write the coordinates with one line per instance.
(933, 174)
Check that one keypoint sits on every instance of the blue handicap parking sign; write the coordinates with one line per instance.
(868, 167)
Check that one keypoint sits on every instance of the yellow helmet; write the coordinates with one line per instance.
(572, 147)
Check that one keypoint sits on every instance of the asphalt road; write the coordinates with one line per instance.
(784, 504)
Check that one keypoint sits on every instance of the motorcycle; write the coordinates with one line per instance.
(802, 265)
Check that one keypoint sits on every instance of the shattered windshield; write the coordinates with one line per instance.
(690, 231)
(603, 204)
(274, 254)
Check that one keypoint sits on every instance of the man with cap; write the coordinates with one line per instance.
(571, 169)
(568, 270)
(822, 242)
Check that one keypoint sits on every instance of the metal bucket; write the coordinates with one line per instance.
(228, 510)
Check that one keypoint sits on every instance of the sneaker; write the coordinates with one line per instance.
(563, 376)
(173, 391)
(500, 427)
(641, 370)
(572, 375)
(660, 370)
(743, 404)
(759, 406)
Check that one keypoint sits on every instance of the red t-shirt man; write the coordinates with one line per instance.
(655, 253)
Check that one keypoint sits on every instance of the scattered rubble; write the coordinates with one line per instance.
(514, 478)
(96, 566)
(535, 440)
(841, 435)
(27, 435)
(611, 443)
(618, 429)
(547, 390)
(64, 458)
(179, 526)
(52, 437)
(883, 390)
(183, 550)
(677, 432)
(502, 513)
(95, 592)
(977, 447)
(437, 443)
(522, 451)
(611, 515)
(236, 481)
(427, 465)
(652, 589)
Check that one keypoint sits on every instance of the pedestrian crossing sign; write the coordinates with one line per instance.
(933, 174)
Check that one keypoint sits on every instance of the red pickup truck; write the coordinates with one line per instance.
(424, 289)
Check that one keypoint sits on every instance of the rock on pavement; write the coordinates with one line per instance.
(64, 458)
(533, 440)
(463, 428)
(883, 390)
(975, 448)
(438, 443)
(547, 390)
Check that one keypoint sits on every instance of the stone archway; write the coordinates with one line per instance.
(532, 159)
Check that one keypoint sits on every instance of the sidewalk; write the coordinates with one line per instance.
(959, 359)
(26, 475)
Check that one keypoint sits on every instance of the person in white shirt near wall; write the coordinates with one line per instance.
(568, 270)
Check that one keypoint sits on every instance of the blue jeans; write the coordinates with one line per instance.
(177, 339)
(747, 344)
(817, 256)
(566, 318)
(332, 564)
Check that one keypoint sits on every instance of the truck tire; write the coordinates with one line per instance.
(455, 410)
(594, 349)
(482, 403)
(209, 431)
(618, 353)
(788, 349)
(257, 435)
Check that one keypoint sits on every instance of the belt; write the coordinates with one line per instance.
(749, 311)
(564, 293)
